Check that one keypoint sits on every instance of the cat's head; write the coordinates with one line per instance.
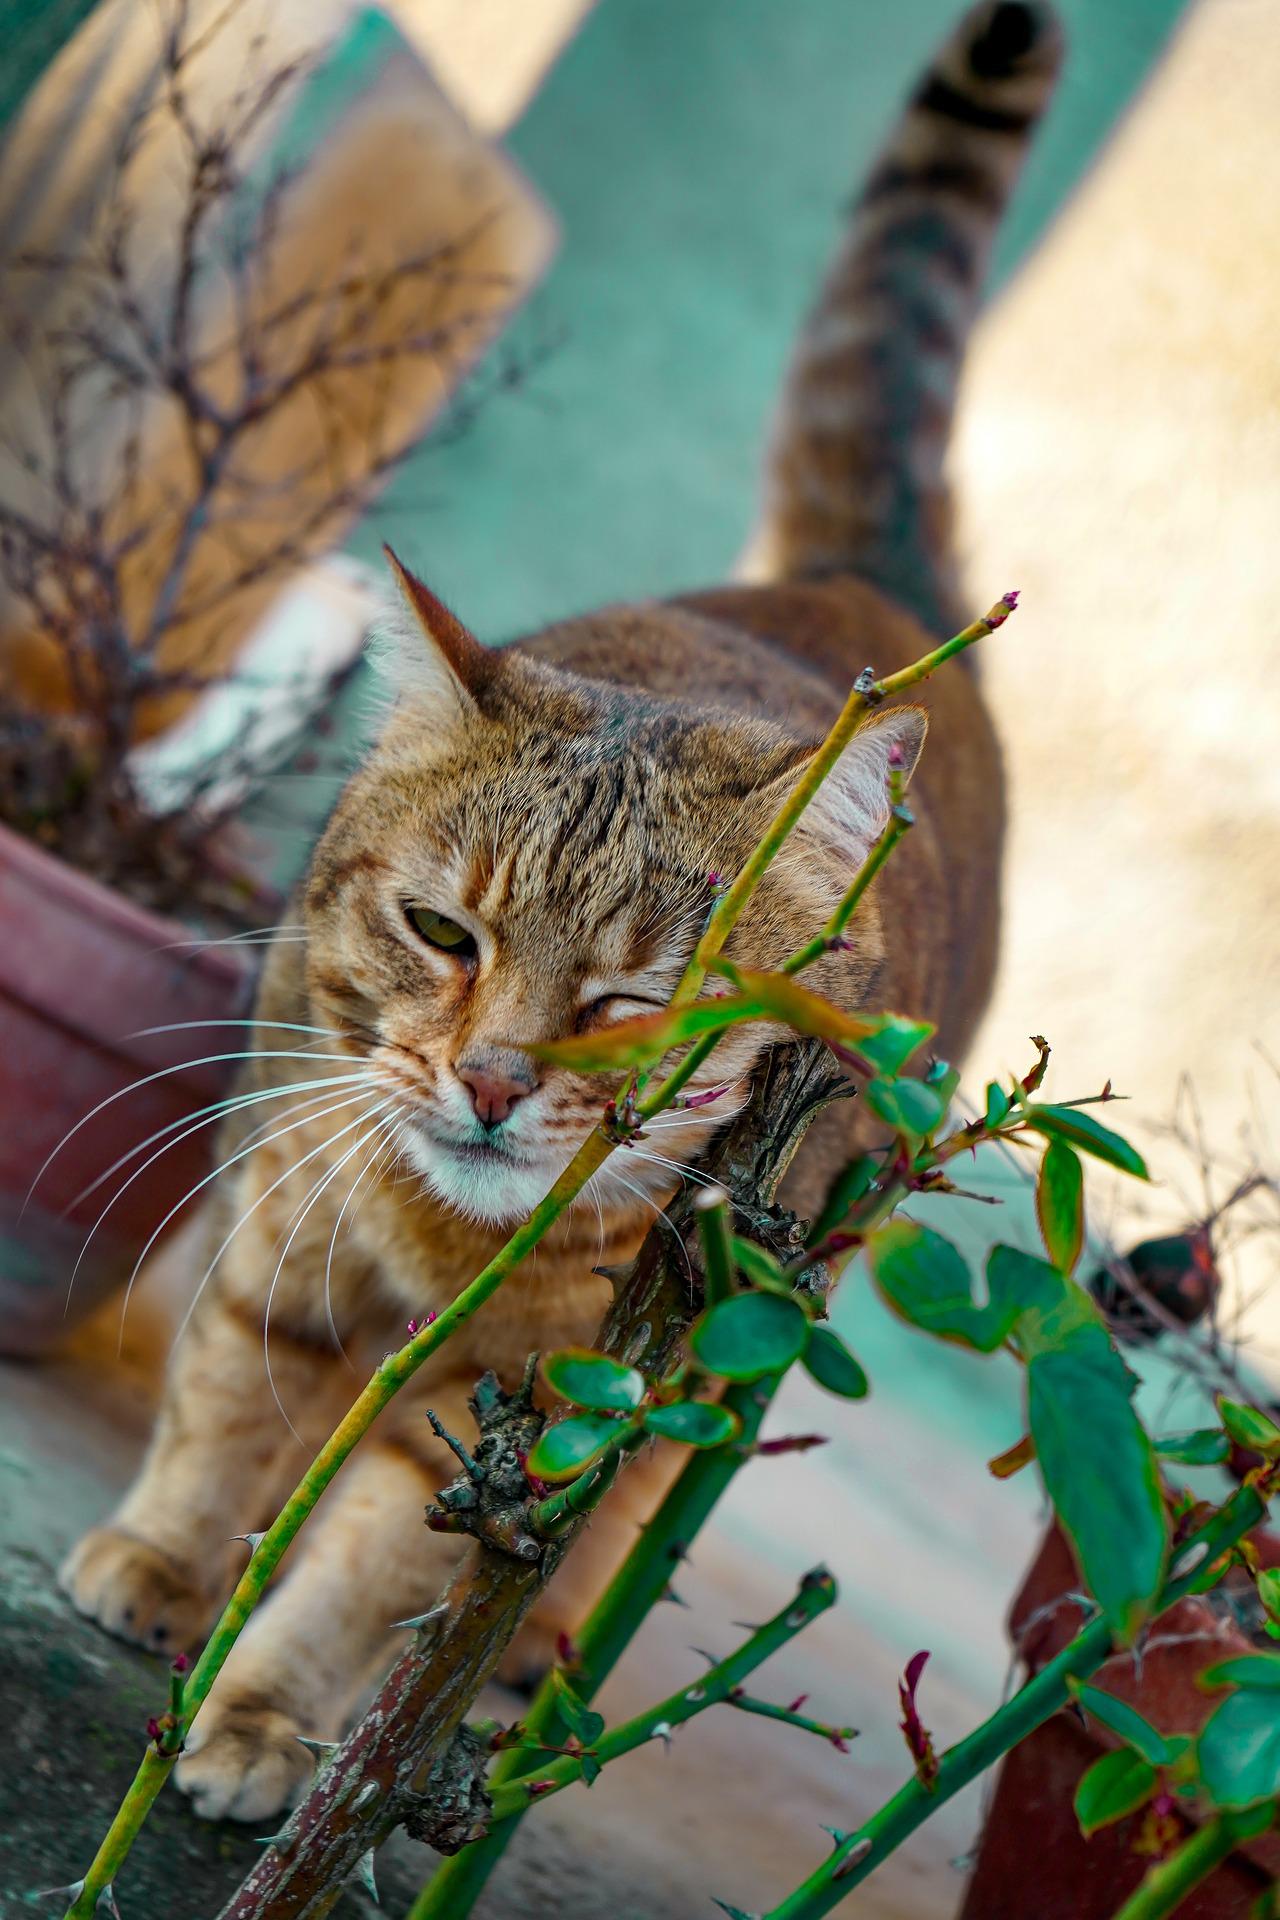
(525, 855)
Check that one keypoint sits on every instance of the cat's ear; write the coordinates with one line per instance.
(425, 652)
(851, 808)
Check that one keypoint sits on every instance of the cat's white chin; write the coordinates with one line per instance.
(488, 1186)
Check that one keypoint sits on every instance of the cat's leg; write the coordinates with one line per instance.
(219, 1458)
(364, 1560)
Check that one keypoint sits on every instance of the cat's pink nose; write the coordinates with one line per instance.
(496, 1084)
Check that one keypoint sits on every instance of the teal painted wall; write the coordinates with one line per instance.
(698, 153)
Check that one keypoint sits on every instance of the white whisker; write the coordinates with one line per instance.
(195, 1127)
(278, 1026)
(216, 1110)
(250, 937)
(377, 1152)
(162, 1073)
(318, 1188)
(676, 1166)
(658, 1212)
(218, 1170)
(245, 1217)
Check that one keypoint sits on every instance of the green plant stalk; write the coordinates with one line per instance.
(386, 1382)
(1168, 1884)
(899, 824)
(400, 1367)
(712, 1207)
(866, 694)
(859, 1853)
(816, 1593)
(636, 1588)
(552, 1515)
(767, 1710)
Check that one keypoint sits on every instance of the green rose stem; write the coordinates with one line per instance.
(636, 1588)
(900, 823)
(718, 1279)
(816, 1593)
(1167, 1885)
(867, 693)
(400, 1367)
(860, 1852)
(552, 1516)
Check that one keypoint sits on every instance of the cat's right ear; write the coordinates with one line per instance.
(425, 652)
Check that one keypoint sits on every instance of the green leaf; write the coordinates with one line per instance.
(759, 1265)
(1249, 1428)
(1126, 1722)
(1117, 1784)
(591, 1768)
(695, 1423)
(798, 1007)
(832, 1365)
(749, 1336)
(1269, 1591)
(926, 1282)
(998, 1104)
(889, 1049)
(1099, 1471)
(639, 1042)
(561, 1451)
(593, 1380)
(908, 1106)
(845, 1191)
(1081, 1130)
(1205, 1447)
(829, 1362)
(1239, 1749)
(578, 1717)
(1045, 1307)
(1260, 1672)
(1060, 1204)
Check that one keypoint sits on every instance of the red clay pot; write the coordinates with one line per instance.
(1033, 1858)
(82, 971)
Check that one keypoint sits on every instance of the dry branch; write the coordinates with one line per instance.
(382, 1774)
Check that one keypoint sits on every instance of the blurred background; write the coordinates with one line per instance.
(637, 199)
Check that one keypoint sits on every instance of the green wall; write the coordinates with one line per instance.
(698, 153)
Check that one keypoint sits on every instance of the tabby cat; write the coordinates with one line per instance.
(526, 852)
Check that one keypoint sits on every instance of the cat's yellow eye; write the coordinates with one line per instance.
(437, 931)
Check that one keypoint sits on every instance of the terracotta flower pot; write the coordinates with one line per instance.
(82, 972)
(1033, 1858)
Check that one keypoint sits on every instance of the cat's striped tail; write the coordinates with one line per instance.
(855, 481)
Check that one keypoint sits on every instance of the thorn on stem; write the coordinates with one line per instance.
(854, 1858)
(367, 1798)
(367, 1881)
(417, 1621)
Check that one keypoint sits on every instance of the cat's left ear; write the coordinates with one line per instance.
(426, 652)
(851, 808)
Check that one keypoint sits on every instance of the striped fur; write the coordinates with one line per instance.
(856, 479)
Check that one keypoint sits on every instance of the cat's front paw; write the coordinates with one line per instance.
(135, 1590)
(243, 1759)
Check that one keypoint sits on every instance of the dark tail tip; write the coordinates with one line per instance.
(1015, 35)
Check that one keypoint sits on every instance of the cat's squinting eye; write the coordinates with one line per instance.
(437, 931)
(617, 1006)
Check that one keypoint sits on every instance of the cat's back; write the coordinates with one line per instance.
(790, 652)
